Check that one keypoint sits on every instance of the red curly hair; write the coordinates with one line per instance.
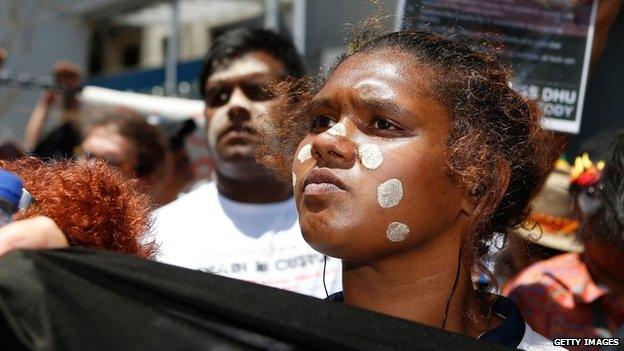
(92, 202)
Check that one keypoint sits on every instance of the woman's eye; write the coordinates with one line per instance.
(322, 122)
(382, 123)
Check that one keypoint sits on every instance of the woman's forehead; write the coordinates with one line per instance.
(383, 72)
(379, 63)
(384, 76)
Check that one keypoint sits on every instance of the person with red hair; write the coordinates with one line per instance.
(91, 202)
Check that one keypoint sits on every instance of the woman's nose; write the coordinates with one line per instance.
(333, 151)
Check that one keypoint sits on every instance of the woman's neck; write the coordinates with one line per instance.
(417, 286)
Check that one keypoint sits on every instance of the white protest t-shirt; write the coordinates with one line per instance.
(261, 243)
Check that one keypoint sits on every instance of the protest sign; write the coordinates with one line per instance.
(546, 42)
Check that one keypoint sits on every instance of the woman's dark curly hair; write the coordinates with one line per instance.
(497, 149)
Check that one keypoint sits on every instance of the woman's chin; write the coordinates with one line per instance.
(327, 239)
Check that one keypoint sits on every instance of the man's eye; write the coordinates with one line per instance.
(218, 96)
(382, 123)
(322, 122)
(257, 92)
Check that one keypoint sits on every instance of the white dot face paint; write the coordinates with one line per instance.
(338, 130)
(397, 232)
(370, 155)
(294, 179)
(305, 153)
(377, 88)
(390, 193)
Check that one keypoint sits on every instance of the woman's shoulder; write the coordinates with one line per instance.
(513, 331)
(533, 341)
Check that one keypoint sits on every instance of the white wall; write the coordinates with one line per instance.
(36, 33)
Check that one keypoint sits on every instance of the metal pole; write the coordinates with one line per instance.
(299, 25)
(400, 13)
(271, 15)
(171, 79)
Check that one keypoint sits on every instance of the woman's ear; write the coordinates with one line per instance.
(498, 188)
(469, 202)
(503, 177)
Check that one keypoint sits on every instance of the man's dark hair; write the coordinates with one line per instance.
(607, 223)
(237, 42)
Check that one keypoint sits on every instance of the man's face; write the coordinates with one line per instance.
(236, 97)
(106, 143)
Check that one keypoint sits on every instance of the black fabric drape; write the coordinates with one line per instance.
(82, 299)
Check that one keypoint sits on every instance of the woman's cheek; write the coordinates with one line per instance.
(302, 155)
(385, 192)
(406, 184)
(390, 195)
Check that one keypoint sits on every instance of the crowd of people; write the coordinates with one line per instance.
(412, 181)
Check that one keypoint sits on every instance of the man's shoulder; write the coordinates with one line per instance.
(189, 209)
(554, 271)
(546, 289)
(186, 224)
(197, 199)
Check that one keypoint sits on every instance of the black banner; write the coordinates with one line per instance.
(81, 299)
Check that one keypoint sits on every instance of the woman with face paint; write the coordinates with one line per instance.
(405, 161)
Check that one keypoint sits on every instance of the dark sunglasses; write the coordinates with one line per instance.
(220, 95)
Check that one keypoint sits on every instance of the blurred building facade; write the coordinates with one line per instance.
(123, 44)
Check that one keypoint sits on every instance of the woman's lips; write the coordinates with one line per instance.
(321, 188)
(322, 181)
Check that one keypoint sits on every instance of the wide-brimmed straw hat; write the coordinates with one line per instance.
(552, 224)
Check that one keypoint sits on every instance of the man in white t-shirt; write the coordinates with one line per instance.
(244, 224)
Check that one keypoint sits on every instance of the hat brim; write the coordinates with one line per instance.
(559, 241)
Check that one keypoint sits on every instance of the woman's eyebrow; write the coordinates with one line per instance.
(386, 106)
(318, 103)
(368, 103)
